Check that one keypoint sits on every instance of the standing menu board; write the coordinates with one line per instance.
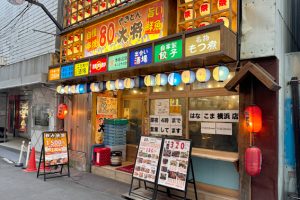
(55, 148)
(174, 164)
(147, 158)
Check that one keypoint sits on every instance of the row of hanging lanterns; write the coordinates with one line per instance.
(202, 75)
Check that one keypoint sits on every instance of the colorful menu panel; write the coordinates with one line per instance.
(146, 163)
(174, 164)
(168, 51)
(67, 71)
(56, 148)
(141, 57)
(117, 62)
(82, 69)
(98, 65)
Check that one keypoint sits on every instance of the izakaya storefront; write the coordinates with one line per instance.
(133, 66)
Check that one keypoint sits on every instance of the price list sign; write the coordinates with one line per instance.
(174, 164)
(147, 158)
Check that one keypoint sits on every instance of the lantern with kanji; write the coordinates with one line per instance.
(253, 118)
(253, 161)
(223, 4)
(201, 24)
(204, 8)
(62, 111)
(225, 20)
(188, 14)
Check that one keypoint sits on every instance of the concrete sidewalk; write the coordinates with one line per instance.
(18, 185)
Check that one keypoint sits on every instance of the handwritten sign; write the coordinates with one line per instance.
(214, 115)
(82, 69)
(54, 74)
(67, 71)
(203, 43)
(117, 62)
(98, 65)
(141, 57)
(137, 26)
(168, 51)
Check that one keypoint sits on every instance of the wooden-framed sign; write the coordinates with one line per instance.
(174, 164)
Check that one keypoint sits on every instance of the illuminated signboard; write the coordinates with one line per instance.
(54, 74)
(138, 26)
(98, 65)
(82, 69)
(203, 43)
(118, 61)
(168, 51)
(141, 57)
(67, 71)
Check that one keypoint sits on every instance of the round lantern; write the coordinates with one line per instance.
(205, 8)
(203, 75)
(161, 79)
(253, 161)
(139, 82)
(94, 87)
(188, 77)
(128, 83)
(81, 89)
(188, 14)
(62, 111)
(119, 84)
(174, 79)
(223, 4)
(253, 118)
(110, 85)
(67, 89)
(223, 19)
(190, 27)
(73, 89)
(203, 24)
(60, 89)
(149, 80)
(221, 73)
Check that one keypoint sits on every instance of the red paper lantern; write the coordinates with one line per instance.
(253, 118)
(253, 161)
(62, 111)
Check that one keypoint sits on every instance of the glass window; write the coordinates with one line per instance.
(215, 132)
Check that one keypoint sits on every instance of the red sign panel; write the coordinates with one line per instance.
(98, 65)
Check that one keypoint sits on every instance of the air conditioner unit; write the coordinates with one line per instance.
(2, 61)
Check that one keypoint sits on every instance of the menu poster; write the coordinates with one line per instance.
(174, 164)
(147, 158)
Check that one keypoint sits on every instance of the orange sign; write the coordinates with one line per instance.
(134, 27)
(54, 74)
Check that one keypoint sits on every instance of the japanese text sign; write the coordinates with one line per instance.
(82, 69)
(214, 115)
(140, 25)
(166, 125)
(118, 61)
(141, 57)
(98, 65)
(203, 43)
(56, 148)
(67, 71)
(168, 51)
(147, 158)
(54, 74)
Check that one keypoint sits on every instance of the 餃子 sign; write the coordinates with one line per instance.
(55, 148)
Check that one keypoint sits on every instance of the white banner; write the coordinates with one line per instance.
(214, 115)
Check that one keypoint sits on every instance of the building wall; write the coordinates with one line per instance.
(20, 42)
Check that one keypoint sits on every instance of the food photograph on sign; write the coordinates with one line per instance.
(56, 148)
(147, 158)
(174, 164)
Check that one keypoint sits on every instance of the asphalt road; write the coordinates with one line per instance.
(16, 184)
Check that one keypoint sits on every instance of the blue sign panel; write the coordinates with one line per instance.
(141, 57)
(67, 71)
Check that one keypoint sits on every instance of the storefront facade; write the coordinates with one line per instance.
(129, 61)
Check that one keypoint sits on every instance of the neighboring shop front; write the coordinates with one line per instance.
(134, 65)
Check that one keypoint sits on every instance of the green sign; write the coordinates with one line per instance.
(118, 61)
(168, 51)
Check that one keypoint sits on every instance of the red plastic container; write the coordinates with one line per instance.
(101, 156)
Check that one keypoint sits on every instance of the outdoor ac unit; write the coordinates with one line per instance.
(2, 61)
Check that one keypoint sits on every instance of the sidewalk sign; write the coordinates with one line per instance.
(55, 152)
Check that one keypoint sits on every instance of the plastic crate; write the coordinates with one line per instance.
(116, 121)
(101, 156)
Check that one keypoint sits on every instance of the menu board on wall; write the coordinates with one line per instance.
(147, 160)
(174, 163)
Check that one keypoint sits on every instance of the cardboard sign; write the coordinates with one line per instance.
(55, 148)
(174, 164)
(147, 160)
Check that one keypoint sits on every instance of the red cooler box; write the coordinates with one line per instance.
(101, 156)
